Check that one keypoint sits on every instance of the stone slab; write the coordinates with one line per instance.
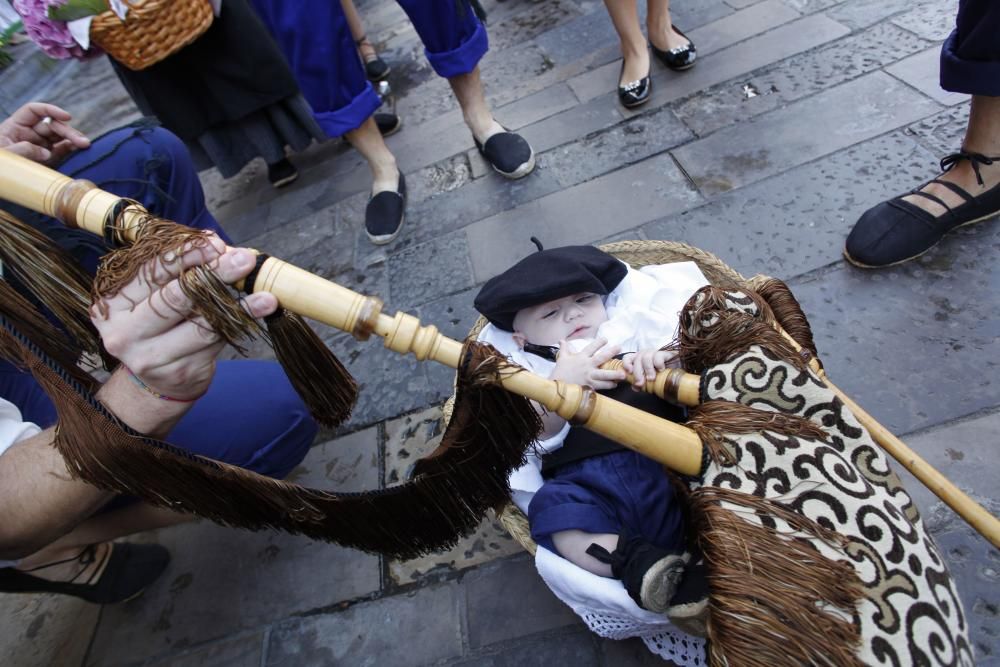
(796, 222)
(416, 628)
(388, 383)
(626, 143)
(239, 651)
(427, 271)
(532, 20)
(886, 337)
(799, 76)
(864, 13)
(436, 217)
(40, 630)
(922, 71)
(930, 20)
(511, 590)
(942, 133)
(964, 451)
(577, 38)
(223, 581)
(533, 108)
(407, 439)
(580, 214)
(812, 6)
(736, 156)
(572, 124)
(574, 647)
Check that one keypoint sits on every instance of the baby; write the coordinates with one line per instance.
(605, 508)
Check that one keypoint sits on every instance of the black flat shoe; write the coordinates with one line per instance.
(282, 173)
(388, 123)
(508, 153)
(897, 231)
(634, 93)
(385, 214)
(377, 69)
(680, 58)
(130, 569)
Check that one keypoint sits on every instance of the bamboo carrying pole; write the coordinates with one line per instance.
(80, 204)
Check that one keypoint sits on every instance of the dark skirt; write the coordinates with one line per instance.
(230, 95)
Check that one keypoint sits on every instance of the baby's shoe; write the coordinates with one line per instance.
(650, 573)
(688, 609)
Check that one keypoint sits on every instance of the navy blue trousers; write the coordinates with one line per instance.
(251, 416)
(317, 42)
(620, 492)
(970, 57)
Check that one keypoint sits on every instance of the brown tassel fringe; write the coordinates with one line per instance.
(787, 312)
(19, 315)
(485, 441)
(711, 332)
(50, 274)
(767, 586)
(323, 383)
(712, 420)
(212, 299)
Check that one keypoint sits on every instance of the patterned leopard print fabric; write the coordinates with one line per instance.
(909, 612)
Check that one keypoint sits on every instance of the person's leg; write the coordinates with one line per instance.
(968, 190)
(635, 56)
(573, 544)
(981, 136)
(368, 141)
(375, 67)
(454, 42)
(250, 417)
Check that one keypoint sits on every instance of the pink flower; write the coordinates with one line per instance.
(53, 37)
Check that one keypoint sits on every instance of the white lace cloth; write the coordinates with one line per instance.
(642, 314)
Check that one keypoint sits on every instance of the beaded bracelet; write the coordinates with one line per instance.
(163, 397)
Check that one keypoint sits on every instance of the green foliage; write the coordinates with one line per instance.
(11, 30)
(77, 9)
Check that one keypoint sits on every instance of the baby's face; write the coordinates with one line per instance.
(575, 316)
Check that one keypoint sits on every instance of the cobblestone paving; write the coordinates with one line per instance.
(847, 112)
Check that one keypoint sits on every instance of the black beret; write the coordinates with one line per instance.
(547, 275)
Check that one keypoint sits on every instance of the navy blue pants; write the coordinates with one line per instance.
(970, 57)
(251, 416)
(317, 42)
(612, 493)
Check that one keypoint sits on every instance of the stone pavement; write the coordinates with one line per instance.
(847, 112)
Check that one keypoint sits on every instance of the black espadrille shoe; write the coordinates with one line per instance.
(508, 153)
(897, 231)
(385, 214)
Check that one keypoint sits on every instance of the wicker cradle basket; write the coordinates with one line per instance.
(636, 254)
(151, 31)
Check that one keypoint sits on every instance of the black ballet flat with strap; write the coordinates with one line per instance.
(897, 231)
(129, 570)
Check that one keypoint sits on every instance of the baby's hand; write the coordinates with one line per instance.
(645, 364)
(584, 367)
